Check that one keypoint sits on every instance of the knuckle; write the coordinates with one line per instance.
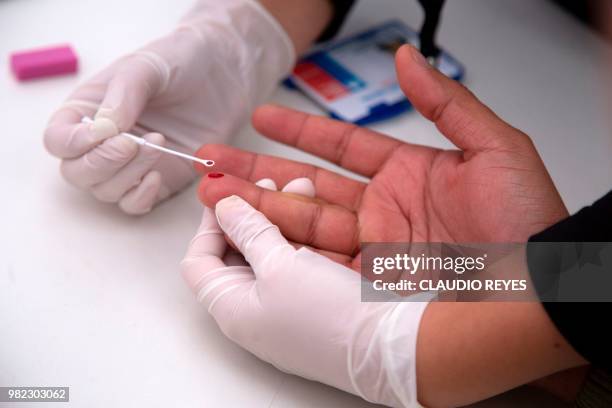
(520, 142)
(313, 224)
(525, 142)
(343, 143)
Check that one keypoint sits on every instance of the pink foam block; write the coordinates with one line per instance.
(43, 62)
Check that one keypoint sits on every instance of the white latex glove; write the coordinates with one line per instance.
(300, 311)
(194, 86)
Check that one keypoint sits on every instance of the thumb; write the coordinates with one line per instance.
(205, 252)
(206, 273)
(252, 233)
(457, 113)
(137, 79)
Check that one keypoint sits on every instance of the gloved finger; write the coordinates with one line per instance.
(101, 163)
(67, 138)
(304, 186)
(141, 199)
(301, 186)
(254, 235)
(203, 268)
(207, 248)
(457, 113)
(131, 174)
(178, 172)
(301, 219)
(264, 183)
(267, 183)
(356, 149)
(137, 79)
(330, 186)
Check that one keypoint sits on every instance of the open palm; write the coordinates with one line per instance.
(494, 189)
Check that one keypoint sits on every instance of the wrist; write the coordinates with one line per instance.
(264, 51)
(303, 21)
(384, 372)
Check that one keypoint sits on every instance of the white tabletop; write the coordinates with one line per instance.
(92, 299)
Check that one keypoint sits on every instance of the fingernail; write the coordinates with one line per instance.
(419, 58)
(215, 175)
(302, 186)
(267, 183)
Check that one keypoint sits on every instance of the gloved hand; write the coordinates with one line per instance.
(194, 86)
(300, 311)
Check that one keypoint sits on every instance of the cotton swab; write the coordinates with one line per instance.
(143, 142)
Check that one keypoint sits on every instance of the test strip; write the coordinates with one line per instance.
(143, 142)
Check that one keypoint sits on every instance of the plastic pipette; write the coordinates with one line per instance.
(143, 142)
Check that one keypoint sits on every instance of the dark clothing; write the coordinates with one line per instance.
(341, 10)
(596, 391)
(585, 11)
(583, 324)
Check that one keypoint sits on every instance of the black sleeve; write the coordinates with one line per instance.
(582, 10)
(591, 224)
(585, 325)
(341, 9)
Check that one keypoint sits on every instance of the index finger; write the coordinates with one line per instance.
(354, 148)
(306, 221)
(330, 186)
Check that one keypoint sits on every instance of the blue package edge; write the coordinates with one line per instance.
(379, 112)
